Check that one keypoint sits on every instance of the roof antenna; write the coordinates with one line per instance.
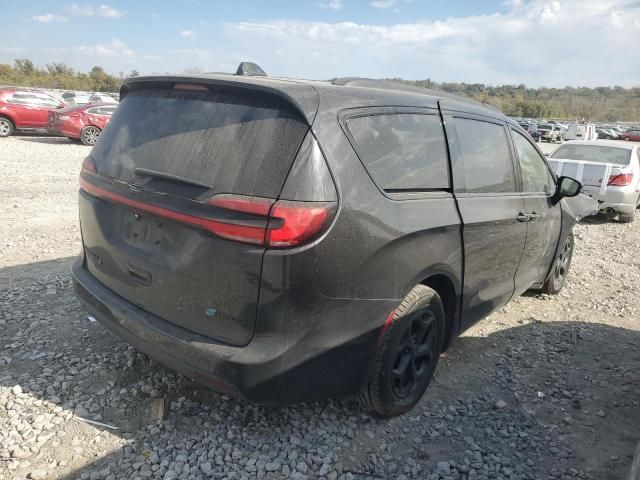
(250, 69)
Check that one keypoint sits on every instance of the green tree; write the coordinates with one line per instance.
(24, 66)
(60, 69)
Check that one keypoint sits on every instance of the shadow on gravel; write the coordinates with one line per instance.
(600, 219)
(572, 393)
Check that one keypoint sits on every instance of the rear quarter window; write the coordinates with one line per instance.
(402, 151)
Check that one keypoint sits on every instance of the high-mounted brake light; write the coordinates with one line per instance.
(190, 87)
(621, 180)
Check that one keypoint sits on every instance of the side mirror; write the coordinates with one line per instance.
(566, 187)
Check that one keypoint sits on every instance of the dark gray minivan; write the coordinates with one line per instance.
(287, 240)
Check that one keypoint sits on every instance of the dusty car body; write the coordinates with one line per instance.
(632, 135)
(288, 240)
(81, 122)
(609, 171)
(23, 109)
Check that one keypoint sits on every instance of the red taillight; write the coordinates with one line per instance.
(621, 180)
(244, 233)
(88, 165)
(293, 223)
(271, 224)
(290, 223)
(239, 203)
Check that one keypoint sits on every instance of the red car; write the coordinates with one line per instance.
(633, 135)
(25, 109)
(81, 122)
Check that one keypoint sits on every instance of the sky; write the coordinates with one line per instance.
(552, 43)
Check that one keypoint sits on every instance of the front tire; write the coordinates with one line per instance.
(560, 269)
(407, 355)
(6, 127)
(89, 135)
(627, 217)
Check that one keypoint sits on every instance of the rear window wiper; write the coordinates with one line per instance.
(145, 172)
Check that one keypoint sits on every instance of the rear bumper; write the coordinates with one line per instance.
(261, 372)
(620, 200)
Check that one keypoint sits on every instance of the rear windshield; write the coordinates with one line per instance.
(229, 140)
(593, 153)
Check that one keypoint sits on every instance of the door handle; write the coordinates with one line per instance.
(532, 216)
(522, 217)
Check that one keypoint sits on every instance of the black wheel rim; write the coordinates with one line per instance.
(561, 265)
(415, 354)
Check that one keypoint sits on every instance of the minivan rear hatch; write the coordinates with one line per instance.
(158, 197)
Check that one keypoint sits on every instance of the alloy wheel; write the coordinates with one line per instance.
(90, 135)
(561, 265)
(5, 127)
(415, 354)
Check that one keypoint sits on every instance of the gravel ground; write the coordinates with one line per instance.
(544, 388)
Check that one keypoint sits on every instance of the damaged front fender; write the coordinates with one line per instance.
(579, 207)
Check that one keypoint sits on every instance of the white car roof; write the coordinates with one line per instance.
(604, 143)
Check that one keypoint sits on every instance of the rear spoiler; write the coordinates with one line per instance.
(301, 96)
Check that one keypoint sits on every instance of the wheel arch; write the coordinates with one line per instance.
(445, 288)
(8, 117)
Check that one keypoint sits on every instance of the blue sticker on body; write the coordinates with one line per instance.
(210, 312)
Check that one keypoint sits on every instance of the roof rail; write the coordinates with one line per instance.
(250, 69)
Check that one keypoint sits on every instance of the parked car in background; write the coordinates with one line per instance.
(563, 128)
(606, 134)
(620, 128)
(102, 98)
(631, 135)
(25, 110)
(76, 98)
(581, 131)
(549, 132)
(609, 171)
(533, 132)
(290, 241)
(81, 122)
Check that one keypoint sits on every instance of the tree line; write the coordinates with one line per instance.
(25, 73)
(571, 103)
(597, 104)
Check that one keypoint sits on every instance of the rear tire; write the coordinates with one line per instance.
(560, 268)
(407, 355)
(89, 135)
(6, 127)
